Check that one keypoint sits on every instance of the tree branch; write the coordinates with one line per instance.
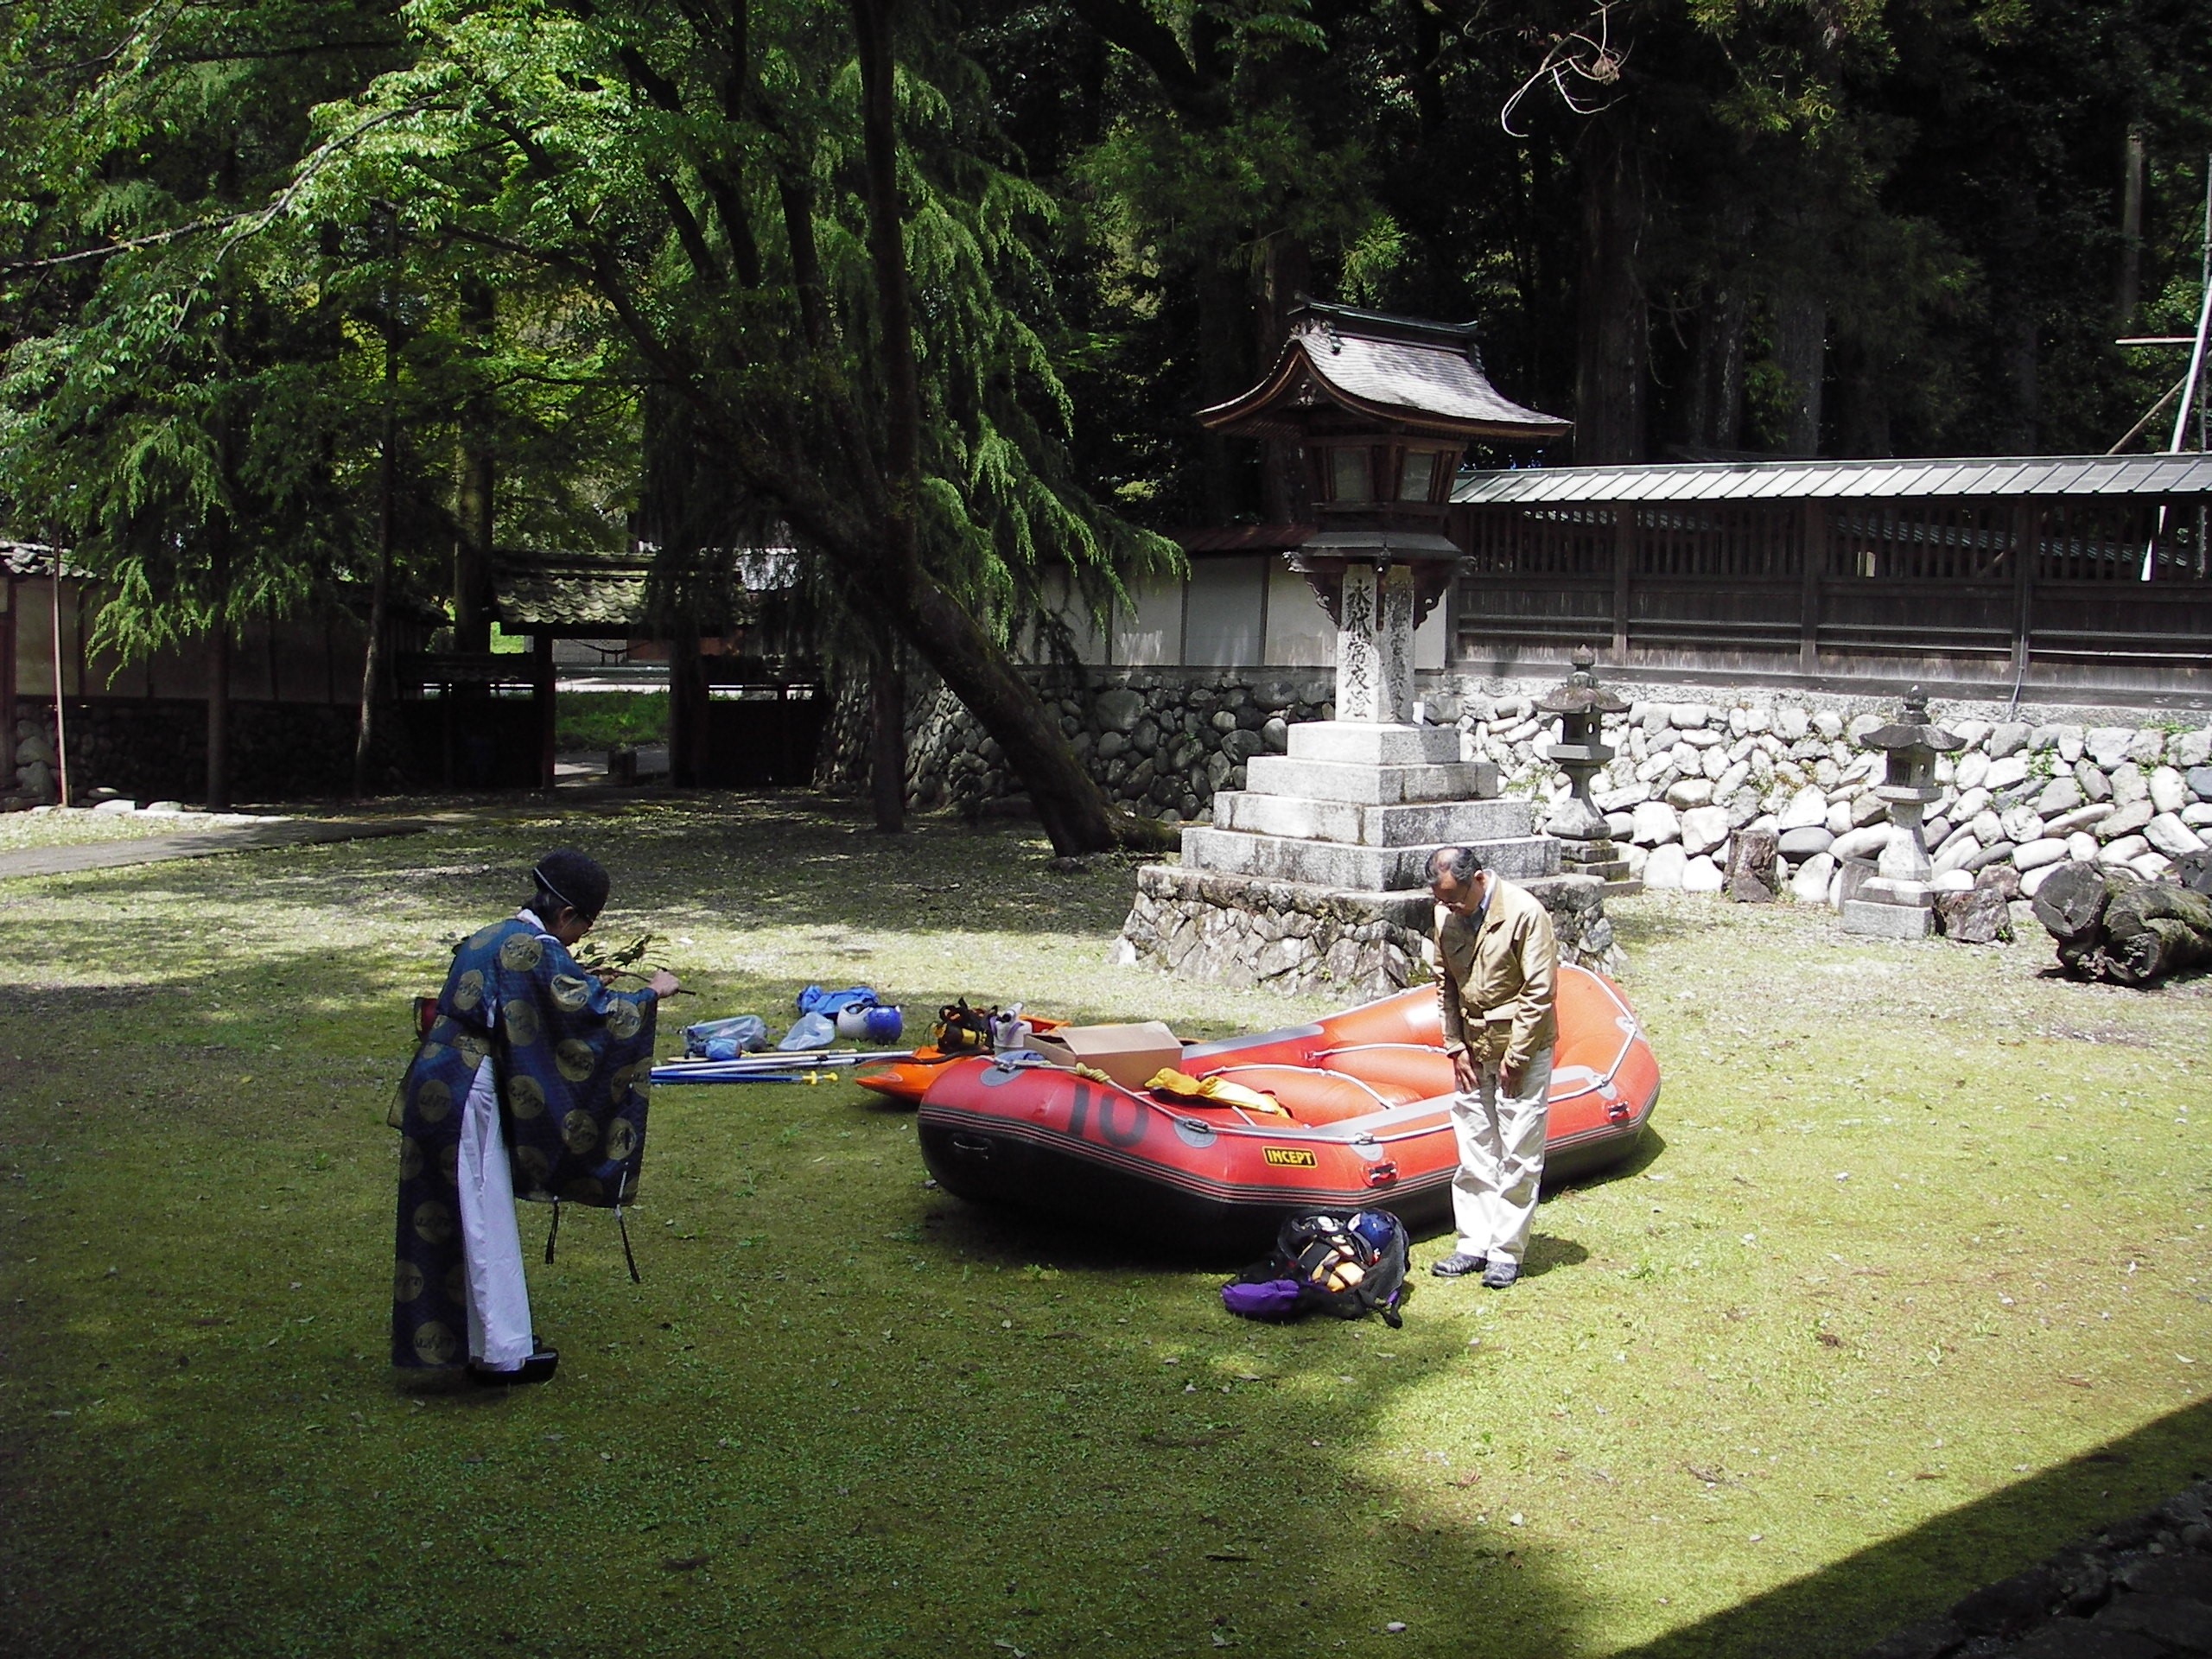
(1128, 24)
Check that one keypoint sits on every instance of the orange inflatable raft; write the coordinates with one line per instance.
(1364, 1122)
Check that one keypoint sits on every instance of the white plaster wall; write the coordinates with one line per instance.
(1223, 629)
(1300, 634)
(1150, 634)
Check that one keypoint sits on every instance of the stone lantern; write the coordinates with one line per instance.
(1897, 902)
(1581, 705)
(1316, 872)
(1381, 409)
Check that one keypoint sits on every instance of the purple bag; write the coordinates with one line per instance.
(1267, 1299)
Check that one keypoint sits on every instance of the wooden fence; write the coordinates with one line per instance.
(2055, 593)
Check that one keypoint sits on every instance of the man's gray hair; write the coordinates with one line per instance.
(1462, 864)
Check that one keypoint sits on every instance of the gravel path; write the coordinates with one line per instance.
(202, 843)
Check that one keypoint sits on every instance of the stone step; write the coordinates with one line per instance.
(1369, 785)
(1360, 742)
(1426, 824)
(1365, 869)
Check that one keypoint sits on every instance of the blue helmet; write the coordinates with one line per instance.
(1375, 1228)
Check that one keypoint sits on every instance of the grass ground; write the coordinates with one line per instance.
(605, 720)
(1912, 1286)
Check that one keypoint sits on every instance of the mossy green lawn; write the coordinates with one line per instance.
(1911, 1286)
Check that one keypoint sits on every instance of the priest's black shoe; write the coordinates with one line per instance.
(538, 1368)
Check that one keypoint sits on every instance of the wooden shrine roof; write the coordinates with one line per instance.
(1400, 373)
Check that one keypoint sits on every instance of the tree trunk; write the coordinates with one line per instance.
(2111, 925)
(387, 486)
(2017, 310)
(886, 755)
(1800, 353)
(1069, 805)
(687, 705)
(219, 669)
(1612, 326)
(1286, 277)
(2128, 291)
(471, 548)
(2071, 901)
(1862, 404)
(1223, 372)
(1716, 399)
(2155, 929)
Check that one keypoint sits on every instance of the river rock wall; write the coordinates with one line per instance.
(2024, 795)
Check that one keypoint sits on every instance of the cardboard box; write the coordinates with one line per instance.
(1128, 1054)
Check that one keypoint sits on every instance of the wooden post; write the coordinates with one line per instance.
(1624, 558)
(8, 622)
(2027, 553)
(1813, 533)
(60, 721)
(541, 695)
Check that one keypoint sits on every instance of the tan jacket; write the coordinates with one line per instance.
(1494, 985)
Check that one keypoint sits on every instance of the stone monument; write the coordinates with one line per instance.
(1897, 902)
(1315, 873)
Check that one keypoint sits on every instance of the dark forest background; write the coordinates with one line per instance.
(307, 300)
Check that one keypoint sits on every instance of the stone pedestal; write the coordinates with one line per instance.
(1317, 874)
(1883, 915)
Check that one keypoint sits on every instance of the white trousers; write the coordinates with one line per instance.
(490, 1244)
(1501, 1139)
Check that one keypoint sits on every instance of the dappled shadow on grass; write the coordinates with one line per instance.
(1918, 1573)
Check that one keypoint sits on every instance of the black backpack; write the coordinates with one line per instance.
(1347, 1265)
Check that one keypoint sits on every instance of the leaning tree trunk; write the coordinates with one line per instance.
(2110, 924)
(1069, 805)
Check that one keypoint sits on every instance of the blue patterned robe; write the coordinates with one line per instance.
(571, 1058)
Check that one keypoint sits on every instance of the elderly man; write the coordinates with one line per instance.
(1495, 959)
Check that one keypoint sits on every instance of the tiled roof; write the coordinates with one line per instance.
(36, 559)
(1799, 480)
(1399, 371)
(613, 595)
(1243, 538)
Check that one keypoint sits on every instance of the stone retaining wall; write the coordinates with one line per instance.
(1158, 741)
(2024, 795)
(2036, 786)
(1234, 930)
